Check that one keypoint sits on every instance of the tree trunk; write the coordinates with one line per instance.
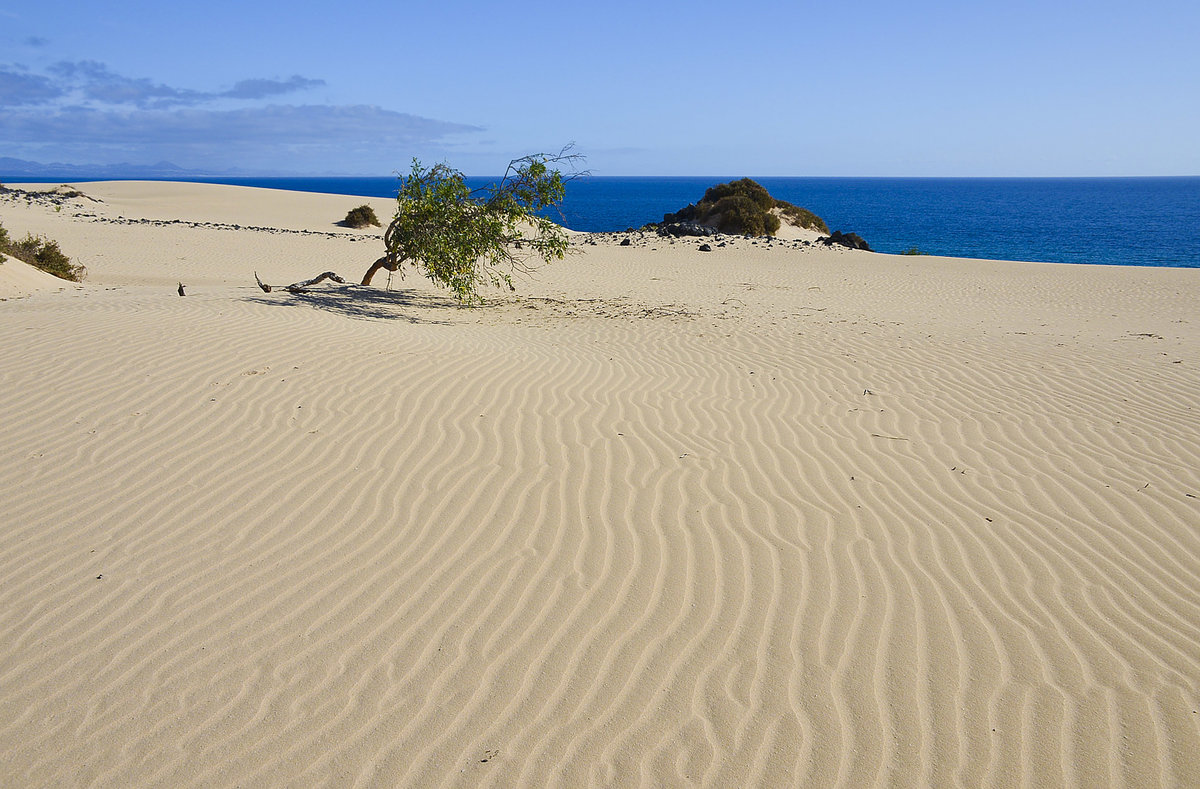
(378, 264)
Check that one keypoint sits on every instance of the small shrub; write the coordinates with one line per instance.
(912, 251)
(363, 216)
(801, 217)
(42, 253)
(746, 188)
(746, 207)
(742, 213)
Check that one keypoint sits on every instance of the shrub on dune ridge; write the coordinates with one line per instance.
(363, 216)
(745, 206)
(739, 213)
(801, 217)
(42, 253)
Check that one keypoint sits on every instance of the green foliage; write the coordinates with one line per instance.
(463, 239)
(746, 188)
(363, 216)
(801, 217)
(41, 253)
(741, 213)
(913, 251)
(744, 206)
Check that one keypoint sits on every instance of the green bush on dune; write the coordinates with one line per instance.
(43, 253)
(744, 206)
(363, 216)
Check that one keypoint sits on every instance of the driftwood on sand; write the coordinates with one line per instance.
(301, 287)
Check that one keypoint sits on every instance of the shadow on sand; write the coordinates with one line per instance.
(365, 303)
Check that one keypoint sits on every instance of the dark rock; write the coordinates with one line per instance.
(705, 248)
(849, 240)
(686, 229)
(625, 242)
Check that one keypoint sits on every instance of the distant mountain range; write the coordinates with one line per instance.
(14, 169)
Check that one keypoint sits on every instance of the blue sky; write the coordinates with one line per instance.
(923, 88)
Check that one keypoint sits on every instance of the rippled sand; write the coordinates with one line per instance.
(770, 515)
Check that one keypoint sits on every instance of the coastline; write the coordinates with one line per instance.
(769, 515)
(1146, 221)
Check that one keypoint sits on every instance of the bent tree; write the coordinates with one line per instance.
(463, 239)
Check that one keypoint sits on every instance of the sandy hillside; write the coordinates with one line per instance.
(769, 515)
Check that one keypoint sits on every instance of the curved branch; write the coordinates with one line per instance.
(385, 262)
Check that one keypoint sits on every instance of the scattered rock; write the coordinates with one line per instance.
(705, 248)
(848, 240)
(625, 242)
(686, 229)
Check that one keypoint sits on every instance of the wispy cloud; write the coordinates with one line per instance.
(262, 88)
(85, 109)
(284, 124)
(18, 88)
(95, 82)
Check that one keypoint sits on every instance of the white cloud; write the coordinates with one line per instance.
(19, 88)
(82, 110)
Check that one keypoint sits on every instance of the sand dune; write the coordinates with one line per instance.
(772, 515)
(18, 279)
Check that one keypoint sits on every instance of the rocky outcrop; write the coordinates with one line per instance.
(678, 229)
(849, 240)
(743, 207)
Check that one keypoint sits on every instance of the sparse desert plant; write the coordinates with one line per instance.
(462, 239)
(42, 253)
(801, 217)
(363, 216)
(742, 213)
(745, 206)
(747, 188)
(913, 251)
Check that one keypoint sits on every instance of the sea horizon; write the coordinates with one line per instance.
(1105, 220)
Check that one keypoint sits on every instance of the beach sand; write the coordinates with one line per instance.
(770, 515)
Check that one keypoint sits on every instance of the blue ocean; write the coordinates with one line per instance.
(1113, 221)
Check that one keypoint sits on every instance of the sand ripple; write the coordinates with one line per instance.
(255, 544)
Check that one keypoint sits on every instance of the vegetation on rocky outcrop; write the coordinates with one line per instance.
(745, 207)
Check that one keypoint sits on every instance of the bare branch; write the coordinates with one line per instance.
(301, 287)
